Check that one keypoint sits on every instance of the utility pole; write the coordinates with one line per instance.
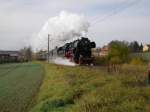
(48, 47)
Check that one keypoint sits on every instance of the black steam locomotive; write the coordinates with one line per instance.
(78, 51)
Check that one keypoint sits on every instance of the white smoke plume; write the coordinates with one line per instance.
(62, 61)
(66, 26)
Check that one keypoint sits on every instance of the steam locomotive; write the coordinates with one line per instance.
(78, 51)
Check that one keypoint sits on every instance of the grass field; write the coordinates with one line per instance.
(73, 89)
(86, 89)
(19, 84)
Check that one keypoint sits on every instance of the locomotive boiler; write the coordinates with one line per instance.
(78, 51)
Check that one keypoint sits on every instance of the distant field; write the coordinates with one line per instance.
(19, 84)
(86, 89)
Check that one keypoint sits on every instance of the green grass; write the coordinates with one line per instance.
(86, 89)
(19, 84)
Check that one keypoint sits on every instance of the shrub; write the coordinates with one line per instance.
(118, 49)
(115, 60)
(100, 60)
(136, 61)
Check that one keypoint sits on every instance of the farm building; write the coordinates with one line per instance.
(9, 56)
(146, 47)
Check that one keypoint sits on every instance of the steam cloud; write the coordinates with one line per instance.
(66, 26)
(62, 61)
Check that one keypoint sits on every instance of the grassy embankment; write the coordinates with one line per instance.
(82, 89)
(19, 83)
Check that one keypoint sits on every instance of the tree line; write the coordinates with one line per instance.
(119, 52)
(27, 54)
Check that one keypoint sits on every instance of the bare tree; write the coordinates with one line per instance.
(26, 53)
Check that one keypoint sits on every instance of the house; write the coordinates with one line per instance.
(146, 47)
(9, 56)
(104, 50)
(95, 51)
(100, 51)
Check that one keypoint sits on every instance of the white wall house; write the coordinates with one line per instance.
(146, 48)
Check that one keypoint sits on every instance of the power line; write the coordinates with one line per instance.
(120, 4)
(124, 6)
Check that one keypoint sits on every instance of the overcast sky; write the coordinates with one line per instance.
(20, 20)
